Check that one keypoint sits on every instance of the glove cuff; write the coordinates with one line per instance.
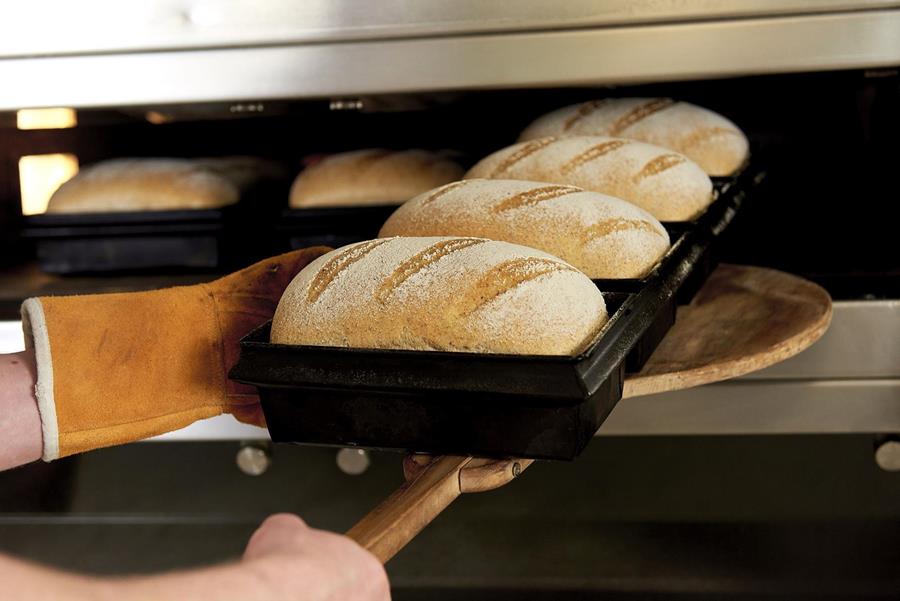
(34, 325)
(116, 368)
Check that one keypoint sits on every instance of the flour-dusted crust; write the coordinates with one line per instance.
(705, 137)
(441, 293)
(121, 185)
(371, 177)
(603, 236)
(664, 183)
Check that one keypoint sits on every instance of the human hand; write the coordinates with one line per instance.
(115, 368)
(244, 300)
(298, 562)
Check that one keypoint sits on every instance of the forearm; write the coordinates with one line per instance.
(23, 580)
(20, 422)
(248, 581)
(208, 584)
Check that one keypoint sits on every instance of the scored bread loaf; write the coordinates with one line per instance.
(603, 236)
(371, 177)
(244, 171)
(441, 294)
(666, 184)
(145, 185)
(705, 137)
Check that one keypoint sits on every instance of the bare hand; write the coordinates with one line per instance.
(298, 562)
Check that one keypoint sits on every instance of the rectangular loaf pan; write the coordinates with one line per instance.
(543, 407)
(440, 402)
(121, 242)
(140, 241)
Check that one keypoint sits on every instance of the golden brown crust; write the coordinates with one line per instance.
(665, 184)
(521, 153)
(370, 177)
(448, 294)
(508, 275)
(602, 236)
(583, 111)
(122, 185)
(533, 197)
(437, 193)
(611, 226)
(422, 260)
(638, 114)
(591, 154)
(709, 139)
(658, 165)
(337, 264)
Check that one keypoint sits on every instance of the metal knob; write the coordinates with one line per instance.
(353, 461)
(887, 455)
(254, 459)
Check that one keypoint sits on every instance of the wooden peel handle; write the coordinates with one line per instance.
(400, 517)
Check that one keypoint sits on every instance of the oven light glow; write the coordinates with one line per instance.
(39, 177)
(57, 118)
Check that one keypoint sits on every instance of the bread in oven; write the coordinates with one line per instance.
(705, 137)
(371, 177)
(603, 236)
(122, 185)
(441, 294)
(664, 183)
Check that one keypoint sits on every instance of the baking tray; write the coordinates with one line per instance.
(186, 240)
(536, 407)
(438, 402)
(115, 242)
(543, 407)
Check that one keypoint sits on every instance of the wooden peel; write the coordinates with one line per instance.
(742, 320)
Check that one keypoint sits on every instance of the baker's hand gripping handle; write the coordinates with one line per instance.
(432, 484)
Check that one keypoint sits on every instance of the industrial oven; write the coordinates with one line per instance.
(784, 483)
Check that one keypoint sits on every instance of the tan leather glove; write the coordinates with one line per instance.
(114, 368)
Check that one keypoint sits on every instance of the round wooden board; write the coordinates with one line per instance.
(742, 320)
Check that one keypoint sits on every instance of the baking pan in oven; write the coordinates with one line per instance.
(112, 242)
(190, 240)
(331, 226)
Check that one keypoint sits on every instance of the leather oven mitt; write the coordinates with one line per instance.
(115, 368)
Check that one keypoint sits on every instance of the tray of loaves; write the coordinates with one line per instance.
(128, 215)
(497, 314)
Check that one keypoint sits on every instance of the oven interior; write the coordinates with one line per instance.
(669, 517)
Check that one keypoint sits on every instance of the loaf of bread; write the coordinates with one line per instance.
(666, 184)
(705, 137)
(245, 171)
(603, 236)
(441, 294)
(371, 177)
(145, 185)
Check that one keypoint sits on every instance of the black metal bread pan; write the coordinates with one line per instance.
(187, 240)
(544, 407)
